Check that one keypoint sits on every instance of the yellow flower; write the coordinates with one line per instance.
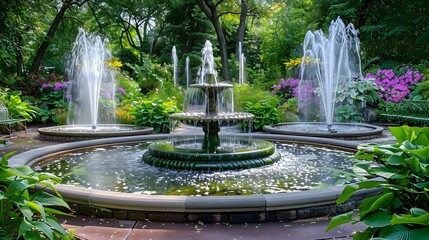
(115, 63)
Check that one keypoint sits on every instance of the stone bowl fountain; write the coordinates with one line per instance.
(348, 131)
(92, 83)
(332, 62)
(86, 132)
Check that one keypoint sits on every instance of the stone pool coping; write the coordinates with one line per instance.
(376, 131)
(247, 208)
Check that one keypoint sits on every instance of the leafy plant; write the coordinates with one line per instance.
(150, 75)
(347, 113)
(265, 113)
(16, 107)
(154, 112)
(401, 171)
(25, 211)
(246, 93)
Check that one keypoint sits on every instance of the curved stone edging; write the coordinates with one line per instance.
(55, 133)
(374, 132)
(265, 207)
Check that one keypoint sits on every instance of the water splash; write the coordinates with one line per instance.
(187, 71)
(241, 65)
(92, 82)
(330, 62)
(175, 60)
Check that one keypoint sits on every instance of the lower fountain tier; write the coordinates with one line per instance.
(203, 117)
(232, 154)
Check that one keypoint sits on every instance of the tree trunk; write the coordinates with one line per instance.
(209, 9)
(51, 33)
(19, 57)
(241, 27)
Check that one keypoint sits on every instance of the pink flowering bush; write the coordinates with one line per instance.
(286, 89)
(395, 86)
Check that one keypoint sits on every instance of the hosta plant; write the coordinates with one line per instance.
(26, 211)
(265, 113)
(154, 112)
(401, 171)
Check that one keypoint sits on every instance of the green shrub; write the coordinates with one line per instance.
(154, 112)
(246, 93)
(16, 107)
(401, 171)
(265, 113)
(150, 75)
(25, 211)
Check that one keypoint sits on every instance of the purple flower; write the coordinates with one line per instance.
(46, 85)
(121, 90)
(395, 88)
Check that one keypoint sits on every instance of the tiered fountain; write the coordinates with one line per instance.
(125, 187)
(329, 62)
(92, 81)
(212, 152)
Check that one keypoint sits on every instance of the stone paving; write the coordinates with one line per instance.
(97, 228)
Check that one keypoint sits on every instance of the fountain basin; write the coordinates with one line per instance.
(232, 154)
(249, 208)
(348, 131)
(85, 131)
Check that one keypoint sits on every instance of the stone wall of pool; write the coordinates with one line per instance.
(227, 209)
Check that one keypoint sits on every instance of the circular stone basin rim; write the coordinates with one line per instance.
(189, 204)
(129, 131)
(372, 130)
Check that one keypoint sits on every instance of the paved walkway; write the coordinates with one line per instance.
(93, 229)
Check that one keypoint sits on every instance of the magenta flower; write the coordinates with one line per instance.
(121, 90)
(395, 88)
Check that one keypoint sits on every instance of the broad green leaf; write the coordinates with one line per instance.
(381, 202)
(422, 185)
(406, 145)
(396, 160)
(388, 172)
(339, 220)
(56, 226)
(399, 134)
(408, 219)
(24, 227)
(38, 208)
(361, 168)
(45, 228)
(370, 184)
(414, 164)
(364, 156)
(368, 233)
(5, 157)
(49, 176)
(56, 212)
(377, 219)
(47, 199)
(418, 212)
(400, 232)
(16, 187)
(26, 211)
(346, 193)
(422, 152)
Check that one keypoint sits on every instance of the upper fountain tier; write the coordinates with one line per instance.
(213, 95)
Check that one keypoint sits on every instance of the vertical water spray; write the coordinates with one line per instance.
(174, 60)
(241, 65)
(331, 61)
(187, 71)
(92, 80)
